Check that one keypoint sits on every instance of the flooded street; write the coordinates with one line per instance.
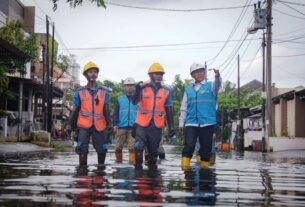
(252, 179)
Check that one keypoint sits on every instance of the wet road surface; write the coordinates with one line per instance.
(248, 179)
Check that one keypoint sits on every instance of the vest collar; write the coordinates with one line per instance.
(201, 83)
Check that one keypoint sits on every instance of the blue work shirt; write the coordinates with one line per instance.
(76, 98)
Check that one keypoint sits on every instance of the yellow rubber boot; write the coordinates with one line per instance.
(212, 160)
(132, 157)
(198, 158)
(119, 155)
(204, 164)
(185, 163)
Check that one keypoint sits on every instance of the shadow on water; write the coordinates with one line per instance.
(252, 179)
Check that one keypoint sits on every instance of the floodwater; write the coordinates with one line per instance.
(248, 179)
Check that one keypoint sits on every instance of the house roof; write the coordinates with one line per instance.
(254, 84)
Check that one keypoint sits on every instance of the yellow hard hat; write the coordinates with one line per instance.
(90, 65)
(156, 68)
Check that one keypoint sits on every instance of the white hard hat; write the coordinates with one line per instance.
(196, 66)
(129, 81)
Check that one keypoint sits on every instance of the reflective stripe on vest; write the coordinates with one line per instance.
(127, 113)
(89, 115)
(152, 106)
(201, 105)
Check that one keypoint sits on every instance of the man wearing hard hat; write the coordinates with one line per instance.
(124, 117)
(155, 101)
(91, 116)
(198, 115)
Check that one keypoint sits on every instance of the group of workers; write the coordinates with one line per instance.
(139, 117)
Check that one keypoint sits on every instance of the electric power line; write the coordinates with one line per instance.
(290, 2)
(149, 46)
(238, 21)
(294, 9)
(175, 10)
(291, 15)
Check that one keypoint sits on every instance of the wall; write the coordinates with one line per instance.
(300, 117)
(291, 118)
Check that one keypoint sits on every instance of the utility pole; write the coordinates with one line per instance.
(48, 75)
(269, 72)
(264, 95)
(50, 104)
(43, 105)
(239, 138)
(222, 124)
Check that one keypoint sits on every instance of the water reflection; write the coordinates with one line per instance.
(202, 183)
(252, 179)
(92, 186)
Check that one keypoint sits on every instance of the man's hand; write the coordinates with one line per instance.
(217, 73)
(181, 130)
(115, 129)
(110, 130)
(171, 133)
(143, 84)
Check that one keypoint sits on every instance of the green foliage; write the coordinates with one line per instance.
(117, 90)
(59, 148)
(75, 3)
(285, 132)
(12, 32)
(228, 97)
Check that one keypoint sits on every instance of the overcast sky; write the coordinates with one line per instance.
(91, 27)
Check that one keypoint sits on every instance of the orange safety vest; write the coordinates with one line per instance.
(87, 114)
(150, 105)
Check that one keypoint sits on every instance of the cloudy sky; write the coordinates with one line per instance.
(178, 38)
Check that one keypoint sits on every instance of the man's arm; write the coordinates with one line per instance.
(106, 112)
(217, 82)
(74, 116)
(115, 115)
(137, 95)
(75, 110)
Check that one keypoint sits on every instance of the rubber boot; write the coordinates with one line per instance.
(146, 156)
(139, 159)
(162, 156)
(132, 157)
(101, 158)
(212, 159)
(198, 158)
(119, 155)
(82, 159)
(152, 161)
(185, 163)
(204, 164)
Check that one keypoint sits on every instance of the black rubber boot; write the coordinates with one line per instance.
(162, 156)
(101, 158)
(152, 162)
(82, 159)
(101, 161)
(139, 160)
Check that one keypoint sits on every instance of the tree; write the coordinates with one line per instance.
(75, 3)
(12, 33)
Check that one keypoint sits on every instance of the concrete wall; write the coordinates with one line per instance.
(285, 143)
(29, 19)
(291, 118)
(277, 122)
(300, 117)
(4, 6)
(15, 10)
